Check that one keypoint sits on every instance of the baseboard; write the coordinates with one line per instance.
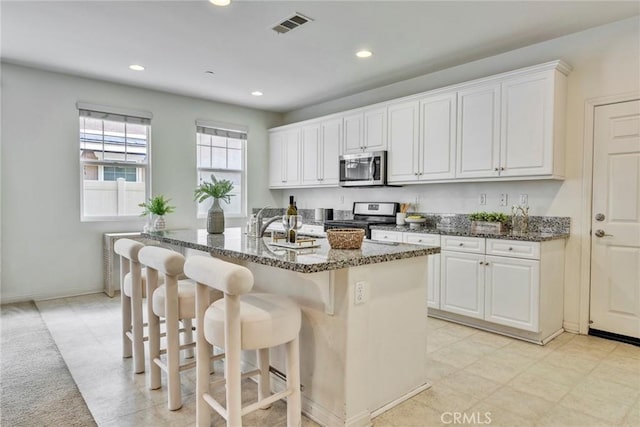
(573, 327)
(615, 337)
(43, 296)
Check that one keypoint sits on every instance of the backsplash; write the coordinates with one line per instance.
(537, 224)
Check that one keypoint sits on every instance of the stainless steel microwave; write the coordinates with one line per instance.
(363, 169)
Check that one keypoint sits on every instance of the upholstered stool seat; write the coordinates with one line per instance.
(266, 320)
(186, 300)
(242, 321)
(126, 288)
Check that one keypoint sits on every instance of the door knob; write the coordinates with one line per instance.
(601, 233)
(600, 217)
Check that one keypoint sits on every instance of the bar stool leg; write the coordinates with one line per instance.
(125, 304)
(154, 332)
(264, 381)
(294, 401)
(137, 330)
(172, 325)
(187, 337)
(203, 359)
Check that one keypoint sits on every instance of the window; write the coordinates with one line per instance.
(221, 151)
(114, 155)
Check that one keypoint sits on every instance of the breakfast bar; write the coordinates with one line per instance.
(364, 333)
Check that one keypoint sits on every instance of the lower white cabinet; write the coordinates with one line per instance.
(462, 283)
(433, 265)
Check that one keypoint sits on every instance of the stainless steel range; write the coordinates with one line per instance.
(366, 214)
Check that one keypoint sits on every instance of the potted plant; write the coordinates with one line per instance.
(488, 222)
(217, 189)
(157, 207)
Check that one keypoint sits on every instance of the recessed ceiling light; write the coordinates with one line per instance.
(136, 67)
(256, 93)
(363, 53)
(220, 2)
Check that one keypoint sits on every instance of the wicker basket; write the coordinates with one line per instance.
(345, 238)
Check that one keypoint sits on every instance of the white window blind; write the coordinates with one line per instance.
(114, 162)
(220, 151)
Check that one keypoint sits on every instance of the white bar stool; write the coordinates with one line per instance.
(132, 283)
(242, 322)
(175, 302)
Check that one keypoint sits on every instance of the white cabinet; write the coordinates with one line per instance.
(512, 292)
(365, 130)
(462, 283)
(478, 125)
(402, 158)
(284, 158)
(531, 120)
(422, 139)
(512, 127)
(433, 265)
(320, 144)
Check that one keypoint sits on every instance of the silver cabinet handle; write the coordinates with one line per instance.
(600, 217)
(481, 263)
(601, 233)
(461, 244)
(496, 169)
(510, 248)
(501, 169)
(486, 263)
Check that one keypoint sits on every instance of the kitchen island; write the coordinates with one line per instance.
(364, 333)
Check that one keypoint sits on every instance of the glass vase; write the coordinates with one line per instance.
(215, 218)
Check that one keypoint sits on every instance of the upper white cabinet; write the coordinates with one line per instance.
(365, 130)
(478, 139)
(513, 127)
(504, 127)
(320, 144)
(284, 158)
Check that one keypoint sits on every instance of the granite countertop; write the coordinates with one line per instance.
(465, 231)
(235, 244)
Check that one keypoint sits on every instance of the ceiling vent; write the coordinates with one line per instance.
(291, 23)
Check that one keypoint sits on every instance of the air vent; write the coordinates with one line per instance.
(291, 23)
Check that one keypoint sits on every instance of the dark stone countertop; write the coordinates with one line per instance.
(235, 244)
(528, 237)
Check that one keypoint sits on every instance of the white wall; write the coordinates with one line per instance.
(46, 250)
(605, 62)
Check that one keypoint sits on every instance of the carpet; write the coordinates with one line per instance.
(36, 388)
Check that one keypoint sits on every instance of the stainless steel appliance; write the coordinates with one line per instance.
(366, 214)
(363, 169)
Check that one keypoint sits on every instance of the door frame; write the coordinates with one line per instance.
(587, 200)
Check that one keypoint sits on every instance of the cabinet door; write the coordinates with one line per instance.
(311, 151)
(527, 125)
(433, 265)
(512, 292)
(331, 133)
(478, 136)
(438, 137)
(353, 134)
(276, 165)
(292, 158)
(462, 283)
(402, 158)
(375, 129)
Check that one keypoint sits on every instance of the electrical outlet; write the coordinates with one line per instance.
(524, 200)
(482, 200)
(503, 199)
(360, 290)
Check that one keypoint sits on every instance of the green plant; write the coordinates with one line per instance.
(217, 188)
(489, 217)
(157, 205)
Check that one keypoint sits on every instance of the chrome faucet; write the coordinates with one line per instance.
(260, 227)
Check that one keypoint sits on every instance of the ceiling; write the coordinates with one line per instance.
(177, 41)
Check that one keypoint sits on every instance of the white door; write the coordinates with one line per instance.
(375, 129)
(438, 137)
(331, 132)
(512, 292)
(462, 283)
(353, 134)
(402, 160)
(478, 153)
(615, 221)
(310, 143)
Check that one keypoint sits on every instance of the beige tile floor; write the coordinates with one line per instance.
(478, 378)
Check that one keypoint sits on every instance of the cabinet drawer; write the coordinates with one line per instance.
(386, 236)
(314, 230)
(473, 245)
(422, 239)
(513, 248)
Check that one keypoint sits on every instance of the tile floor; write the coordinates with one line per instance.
(478, 377)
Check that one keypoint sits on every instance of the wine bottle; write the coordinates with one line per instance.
(292, 210)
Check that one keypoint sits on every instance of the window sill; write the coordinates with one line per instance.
(131, 218)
